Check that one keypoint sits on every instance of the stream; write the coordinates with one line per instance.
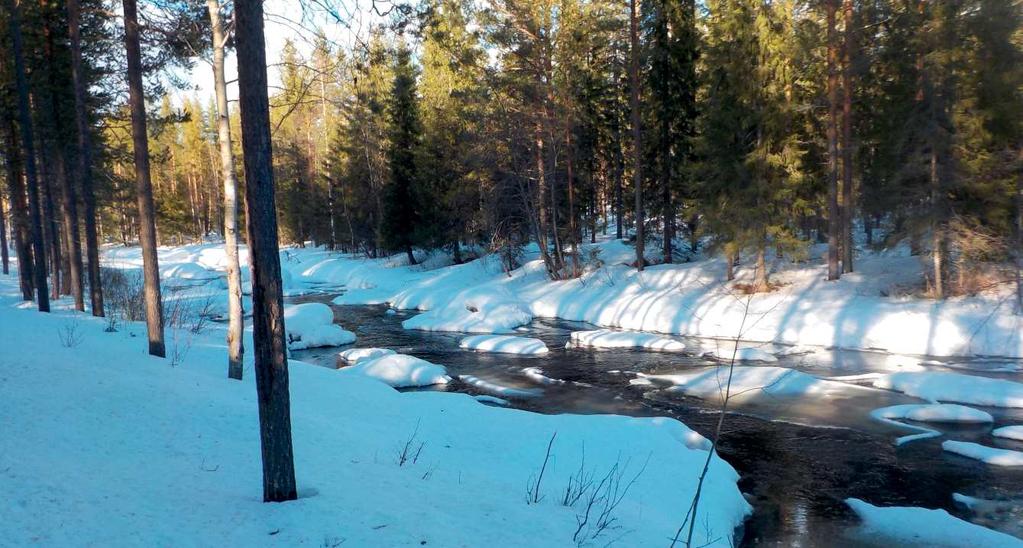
(799, 458)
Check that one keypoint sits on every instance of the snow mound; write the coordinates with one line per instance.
(399, 371)
(186, 271)
(504, 344)
(353, 356)
(311, 325)
(1009, 432)
(983, 453)
(954, 387)
(605, 338)
(743, 354)
(499, 390)
(493, 400)
(480, 309)
(940, 412)
(746, 381)
(924, 527)
(536, 375)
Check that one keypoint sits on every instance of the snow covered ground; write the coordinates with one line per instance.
(894, 526)
(104, 445)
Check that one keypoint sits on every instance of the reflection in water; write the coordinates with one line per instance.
(799, 458)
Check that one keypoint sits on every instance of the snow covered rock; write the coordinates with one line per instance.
(747, 381)
(504, 344)
(954, 387)
(939, 412)
(983, 453)
(499, 390)
(186, 272)
(1009, 432)
(924, 527)
(535, 374)
(743, 354)
(311, 325)
(399, 371)
(353, 356)
(605, 338)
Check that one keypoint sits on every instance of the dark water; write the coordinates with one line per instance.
(798, 458)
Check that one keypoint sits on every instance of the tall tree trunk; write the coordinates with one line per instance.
(267, 301)
(1019, 238)
(834, 215)
(667, 205)
(760, 280)
(84, 171)
(541, 207)
(848, 205)
(4, 259)
(637, 133)
(147, 217)
(937, 229)
(29, 159)
(235, 323)
(19, 210)
(51, 230)
(573, 223)
(68, 199)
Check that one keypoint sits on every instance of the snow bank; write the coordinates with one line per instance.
(311, 325)
(505, 344)
(605, 338)
(725, 352)
(353, 356)
(941, 412)
(983, 453)
(115, 444)
(399, 371)
(1009, 432)
(186, 272)
(747, 381)
(500, 390)
(954, 387)
(924, 527)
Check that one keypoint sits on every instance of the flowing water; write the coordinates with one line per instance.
(799, 458)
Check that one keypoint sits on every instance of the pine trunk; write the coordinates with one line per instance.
(4, 259)
(28, 156)
(19, 211)
(236, 321)
(834, 215)
(271, 362)
(637, 133)
(144, 185)
(848, 206)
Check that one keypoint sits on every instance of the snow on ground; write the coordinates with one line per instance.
(399, 371)
(746, 381)
(353, 356)
(895, 525)
(311, 325)
(504, 344)
(954, 387)
(605, 338)
(498, 389)
(680, 299)
(940, 412)
(983, 453)
(116, 447)
(1009, 432)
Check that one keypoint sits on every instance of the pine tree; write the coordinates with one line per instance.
(401, 197)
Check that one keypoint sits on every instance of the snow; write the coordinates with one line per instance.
(399, 371)
(311, 325)
(353, 356)
(983, 453)
(941, 412)
(906, 525)
(1009, 432)
(499, 390)
(117, 447)
(605, 338)
(725, 351)
(937, 386)
(504, 344)
(536, 375)
(690, 299)
(747, 381)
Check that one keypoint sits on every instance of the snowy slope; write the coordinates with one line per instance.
(118, 448)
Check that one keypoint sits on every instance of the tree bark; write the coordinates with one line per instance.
(271, 360)
(637, 133)
(144, 185)
(19, 211)
(235, 323)
(51, 230)
(29, 159)
(834, 215)
(4, 259)
(848, 205)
